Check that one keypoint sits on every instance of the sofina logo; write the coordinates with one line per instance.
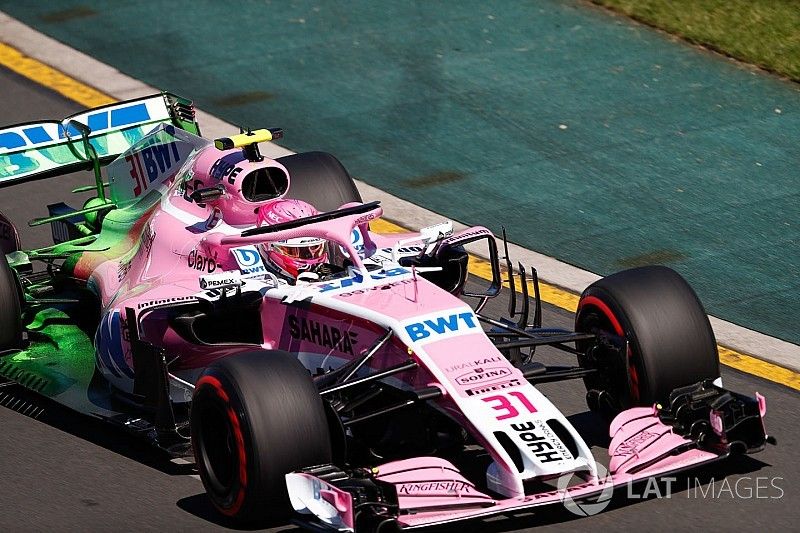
(248, 259)
(445, 325)
(482, 375)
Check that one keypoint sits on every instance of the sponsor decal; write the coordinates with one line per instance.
(321, 334)
(585, 507)
(151, 162)
(220, 280)
(448, 487)
(198, 261)
(358, 279)
(492, 387)
(482, 375)
(375, 288)
(364, 219)
(542, 449)
(166, 301)
(631, 445)
(226, 167)
(248, 259)
(540, 441)
(189, 186)
(231, 278)
(444, 325)
(475, 362)
(214, 218)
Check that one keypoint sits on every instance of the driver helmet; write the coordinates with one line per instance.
(292, 256)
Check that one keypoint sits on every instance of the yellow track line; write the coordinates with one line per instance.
(51, 78)
(569, 301)
(81, 93)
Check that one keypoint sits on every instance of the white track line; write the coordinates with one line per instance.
(113, 82)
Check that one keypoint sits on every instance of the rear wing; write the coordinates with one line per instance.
(36, 150)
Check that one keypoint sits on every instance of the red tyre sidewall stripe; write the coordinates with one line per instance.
(615, 323)
(216, 385)
(600, 304)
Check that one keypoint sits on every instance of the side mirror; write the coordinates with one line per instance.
(206, 194)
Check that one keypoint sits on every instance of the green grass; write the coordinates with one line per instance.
(762, 32)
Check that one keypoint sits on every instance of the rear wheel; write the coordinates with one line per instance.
(10, 308)
(653, 336)
(255, 417)
(319, 179)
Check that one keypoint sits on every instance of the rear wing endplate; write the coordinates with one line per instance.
(36, 150)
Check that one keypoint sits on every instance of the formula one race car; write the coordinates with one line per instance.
(306, 362)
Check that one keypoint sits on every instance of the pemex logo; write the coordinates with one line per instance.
(591, 505)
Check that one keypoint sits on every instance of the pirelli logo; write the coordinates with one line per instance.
(474, 391)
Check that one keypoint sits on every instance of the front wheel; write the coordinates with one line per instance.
(653, 336)
(255, 417)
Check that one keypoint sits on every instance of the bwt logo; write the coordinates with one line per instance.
(248, 259)
(158, 158)
(441, 325)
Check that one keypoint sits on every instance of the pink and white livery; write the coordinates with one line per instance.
(245, 313)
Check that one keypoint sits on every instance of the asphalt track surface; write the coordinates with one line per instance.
(64, 472)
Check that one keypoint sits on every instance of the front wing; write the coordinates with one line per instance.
(702, 424)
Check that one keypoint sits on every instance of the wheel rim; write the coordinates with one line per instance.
(602, 323)
(217, 449)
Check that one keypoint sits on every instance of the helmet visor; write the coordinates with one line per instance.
(301, 251)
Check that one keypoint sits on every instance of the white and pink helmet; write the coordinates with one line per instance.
(293, 255)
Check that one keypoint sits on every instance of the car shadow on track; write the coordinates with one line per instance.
(91, 430)
(200, 506)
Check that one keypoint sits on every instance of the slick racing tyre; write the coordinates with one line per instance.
(10, 308)
(255, 417)
(670, 342)
(319, 179)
